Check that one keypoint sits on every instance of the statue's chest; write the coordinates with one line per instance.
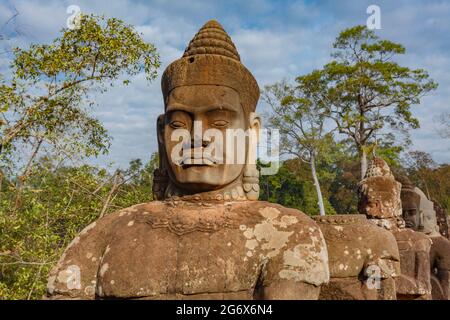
(145, 260)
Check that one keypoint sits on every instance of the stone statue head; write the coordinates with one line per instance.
(428, 214)
(410, 204)
(379, 193)
(442, 219)
(205, 135)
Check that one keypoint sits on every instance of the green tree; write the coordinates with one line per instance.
(366, 89)
(300, 117)
(293, 187)
(431, 177)
(419, 165)
(46, 128)
(48, 101)
(58, 203)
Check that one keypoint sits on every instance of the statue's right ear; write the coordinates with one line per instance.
(160, 129)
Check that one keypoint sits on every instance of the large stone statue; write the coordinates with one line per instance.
(364, 259)
(381, 199)
(442, 220)
(207, 237)
(440, 249)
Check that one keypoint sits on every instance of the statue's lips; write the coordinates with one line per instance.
(187, 166)
(191, 162)
(197, 159)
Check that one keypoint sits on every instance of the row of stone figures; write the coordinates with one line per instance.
(206, 236)
(393, 245)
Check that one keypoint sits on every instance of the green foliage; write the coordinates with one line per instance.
(44, 205)
(339, 175)
(343, 189)
(46, 123)
(101, 49)
(293, 187)
(431, 178)
(365, 89)
(364, 79)
(57, 204)
(49, 96)
(362, 91)
(299, 117)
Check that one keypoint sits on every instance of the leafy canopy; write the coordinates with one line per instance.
(364, 79)
(51, 89)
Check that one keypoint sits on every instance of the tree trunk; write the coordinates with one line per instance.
(363, 162)
(116, 184)
(361, 137)
(22, 178)
(1, 183)
(317, 185)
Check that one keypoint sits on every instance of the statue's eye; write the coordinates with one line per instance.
(177, 124)
(220, 123)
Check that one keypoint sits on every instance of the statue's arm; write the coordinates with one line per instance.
(422, 257)
(75, 274)
(422, 263)
(299, 269)
(443, 266)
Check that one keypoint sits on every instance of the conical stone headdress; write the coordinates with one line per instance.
(211, 58)
(378, 168)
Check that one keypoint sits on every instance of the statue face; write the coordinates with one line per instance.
(427, 214)
(411, 212)
(430, 225)
(205, 113)
(376, 208)
(379, 198)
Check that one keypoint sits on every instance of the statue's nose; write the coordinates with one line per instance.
(198, 141)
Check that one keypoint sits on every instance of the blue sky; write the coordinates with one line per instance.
(276, 39)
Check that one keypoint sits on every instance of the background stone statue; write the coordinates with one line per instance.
(207, 237)
(442, 220)
(427, 215)
(386, 202)
(440, 249)
(364, 259)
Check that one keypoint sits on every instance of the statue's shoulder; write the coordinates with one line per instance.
(117, 218)
(272, 218)
(279, 215)
(419, 240)
(291, 240)
(97, 234)
(74, 276)
(441, 242)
